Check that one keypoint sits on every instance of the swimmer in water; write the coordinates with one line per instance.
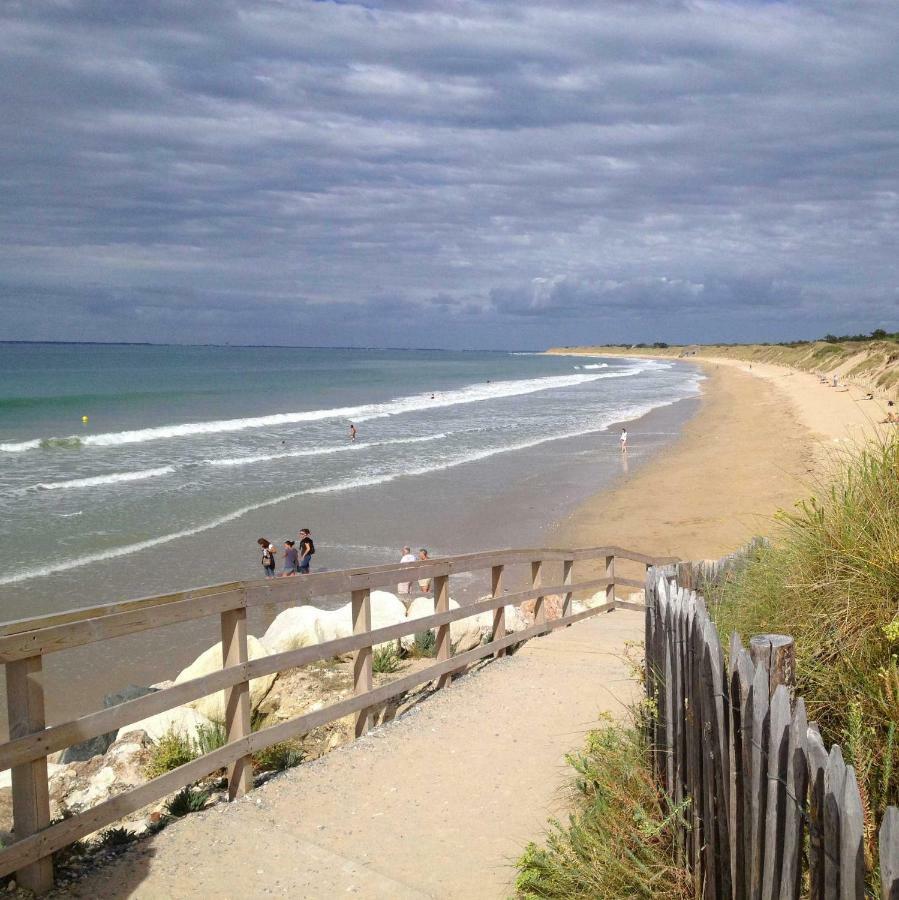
(352, 432)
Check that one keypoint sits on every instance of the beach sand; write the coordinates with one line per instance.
(758, 443)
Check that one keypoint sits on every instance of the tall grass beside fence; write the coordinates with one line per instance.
(830, 578)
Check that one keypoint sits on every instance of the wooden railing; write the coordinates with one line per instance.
(24, 643)
(750, 777)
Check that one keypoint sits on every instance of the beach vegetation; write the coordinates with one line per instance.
(173, 749)
(424, 645)
(830, 578)
(209, 737)
(386, 659)
(278, 757)
(114, 838)
(619, 840)
(188, 800)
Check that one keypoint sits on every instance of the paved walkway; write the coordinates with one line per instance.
(437, 804)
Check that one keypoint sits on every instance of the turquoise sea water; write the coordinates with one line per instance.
(192, 453)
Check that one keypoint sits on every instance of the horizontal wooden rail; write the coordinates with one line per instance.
(23, 644)
(55, 837)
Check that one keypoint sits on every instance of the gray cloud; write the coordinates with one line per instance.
(445, 173)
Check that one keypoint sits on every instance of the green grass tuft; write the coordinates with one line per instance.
(425, 644)
(188, 800)
(116, 837)
(173, 749)
(619, 839)
(279, 757)
(386, 660)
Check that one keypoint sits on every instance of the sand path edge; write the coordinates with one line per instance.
(438, 803)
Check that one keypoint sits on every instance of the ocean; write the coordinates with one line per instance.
(189, 454)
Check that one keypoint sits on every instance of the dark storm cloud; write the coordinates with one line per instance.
(447, 173)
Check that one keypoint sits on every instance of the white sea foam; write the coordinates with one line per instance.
(99, 480)
(596, 366)
(475, 393)
(319, 451)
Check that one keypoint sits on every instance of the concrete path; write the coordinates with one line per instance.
(437, 804)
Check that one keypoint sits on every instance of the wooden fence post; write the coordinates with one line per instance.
(499, 614)
(237, 699)
(889, 855)
(610, 573)
(30, 794)
(536, 579)
(444, 642)
(567, 566)
(362, 658)
(777, 654)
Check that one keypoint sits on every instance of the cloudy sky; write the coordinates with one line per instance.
(447, 173)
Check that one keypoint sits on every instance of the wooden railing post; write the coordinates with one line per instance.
(499, 614)
(237, 699)
(444, 643)
(610, 573)
(536, 581)
(30, 793)
(362, 658)
(567, 566)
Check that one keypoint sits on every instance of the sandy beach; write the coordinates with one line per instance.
(761, 438)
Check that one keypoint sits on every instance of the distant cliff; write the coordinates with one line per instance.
(873, 365)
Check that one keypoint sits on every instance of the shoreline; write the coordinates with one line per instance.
(756, 445)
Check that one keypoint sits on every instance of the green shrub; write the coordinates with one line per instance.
(425, 644)
(116, 837)
(386, 659)
(619, 838)
(278, 757)
(831, 580)
(209, 737)
(173, 749)
(188, 800)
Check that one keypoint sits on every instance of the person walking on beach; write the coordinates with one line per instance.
(622, 440)
(291, 559)
(405, 587)
(425, 583)
(268, 557)
(306, 549)
(352, 432)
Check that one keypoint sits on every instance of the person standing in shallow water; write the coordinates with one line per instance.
(622, 440)
(405, 587)
(268, 557)
(352, 432)
(305, 550)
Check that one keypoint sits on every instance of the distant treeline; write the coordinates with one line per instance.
(877, 335)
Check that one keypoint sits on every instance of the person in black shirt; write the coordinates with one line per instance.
(306, 548)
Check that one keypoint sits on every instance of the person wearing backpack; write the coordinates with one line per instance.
(268, 557)
(306, 549)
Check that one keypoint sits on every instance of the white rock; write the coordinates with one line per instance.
(292, 629)
(465, 634)
(419, 608)
(332, 624)
(387, 609)
(182, 720)
(515, 620)
(52, 769)
(213, 706)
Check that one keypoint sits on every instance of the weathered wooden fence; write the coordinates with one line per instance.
(24, 643)
(768, 812)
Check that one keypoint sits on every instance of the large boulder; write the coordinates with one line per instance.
(419, 608)
(387, 609)
(292, 629)
(465, 634)
(183, 720)
(213, 706)
(333, 624)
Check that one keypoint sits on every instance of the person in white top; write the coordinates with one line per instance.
(622, 440)
(405, 587)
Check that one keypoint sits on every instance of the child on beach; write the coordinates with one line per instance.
(306, 549)
(405, 587)
(268, 557)
(291, 559)
(425, 583)
(622, 440)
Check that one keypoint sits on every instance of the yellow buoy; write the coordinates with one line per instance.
(84, 420)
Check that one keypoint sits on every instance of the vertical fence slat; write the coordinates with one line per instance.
(238, 710)
(758, 774)
(362, 658)
(536, 582)
(499, 614)
(30, 792)
(778, 749)
(852, 854)
(797, 782)
(741, 710)
(444, 638)
(834, 786)
(889, 855)
(567, 570)
(610, 573)
(817, 763)
(695, 754)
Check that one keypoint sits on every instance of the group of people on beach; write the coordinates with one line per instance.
(424, 584)
(297, 556)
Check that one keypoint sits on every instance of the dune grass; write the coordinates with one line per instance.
(830, 578)
(619, 838)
